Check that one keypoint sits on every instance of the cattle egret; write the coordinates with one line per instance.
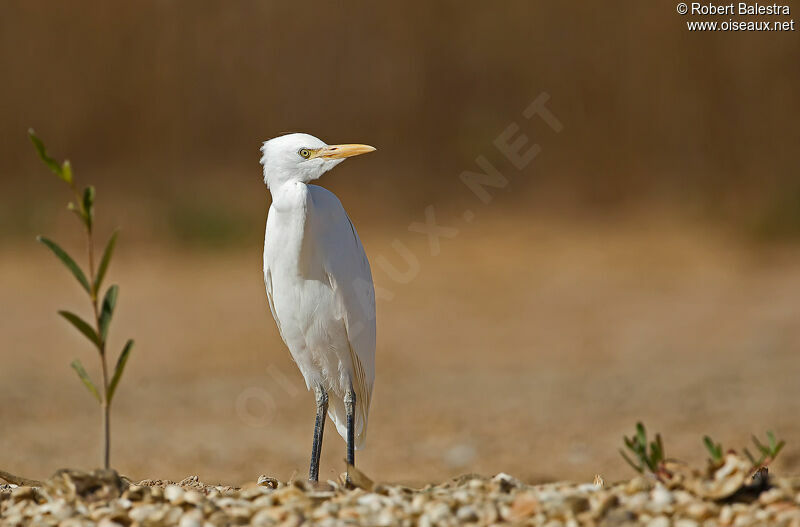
(319, 285)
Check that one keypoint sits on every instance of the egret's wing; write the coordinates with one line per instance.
(348, 272)
(268, 284)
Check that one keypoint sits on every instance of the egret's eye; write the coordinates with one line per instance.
(305, 153)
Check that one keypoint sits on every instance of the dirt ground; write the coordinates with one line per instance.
(526, 346)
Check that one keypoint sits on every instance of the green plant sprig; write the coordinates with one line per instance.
(715, 451)
(97, 333)
(768, 452)
(647, 459)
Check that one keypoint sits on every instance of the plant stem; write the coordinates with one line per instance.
(106, 433)
(105, 406)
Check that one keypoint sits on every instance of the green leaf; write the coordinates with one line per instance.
(118, 369)
(82, 326)
(107, 311)
(67, 260)
(656, 453)
(759, 446)
(637, 468)
(101, 270)
(88, 206)
(66, 171)
(714, 449)
(78, 367)
(772, 441)
(778, 449)
(49, 161)
(641, 434)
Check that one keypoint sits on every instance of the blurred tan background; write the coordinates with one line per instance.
(644, 265)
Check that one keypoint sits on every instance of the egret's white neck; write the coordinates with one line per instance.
(287, 225)
(277, 179)
(288, 196)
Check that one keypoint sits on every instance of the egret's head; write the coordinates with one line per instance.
(302, 157)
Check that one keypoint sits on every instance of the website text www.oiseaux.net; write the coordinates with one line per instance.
(744, 10)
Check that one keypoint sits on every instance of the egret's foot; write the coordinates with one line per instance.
(346, 481)
(355, 479)
(320, 486)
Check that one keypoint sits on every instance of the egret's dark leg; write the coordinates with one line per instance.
(321, 397)
(350, 408)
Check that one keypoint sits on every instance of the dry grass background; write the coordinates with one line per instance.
(643, 267)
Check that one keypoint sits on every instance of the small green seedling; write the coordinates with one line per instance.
(97, 333)
(714, 450)
(768, 452)
(648, 460)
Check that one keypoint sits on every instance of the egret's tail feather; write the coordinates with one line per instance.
(339, 416)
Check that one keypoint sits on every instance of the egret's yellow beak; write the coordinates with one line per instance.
(343, 151)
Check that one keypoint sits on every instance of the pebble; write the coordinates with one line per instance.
(194, 497)
(726, 515)
(263, 501)
(773, 495)
(142, 513)
(266, 481)
(702, 511)
(262, 517)
(638, 501)
(638, 484)
(22, 493)
(576, 504)
(659, 521)
(438, 512)
(173, 494)
(467, 513)
(156, 493)
(603, 503)
(525, 505)
(661, 497)
(58, 510)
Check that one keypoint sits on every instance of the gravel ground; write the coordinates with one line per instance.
(724, 495)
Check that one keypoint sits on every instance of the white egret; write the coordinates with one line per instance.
(319, 285)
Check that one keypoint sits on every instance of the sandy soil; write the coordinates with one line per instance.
(525, 346)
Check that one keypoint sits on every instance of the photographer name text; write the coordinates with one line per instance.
(742, 8)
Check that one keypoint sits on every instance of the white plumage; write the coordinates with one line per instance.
(317, 276)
